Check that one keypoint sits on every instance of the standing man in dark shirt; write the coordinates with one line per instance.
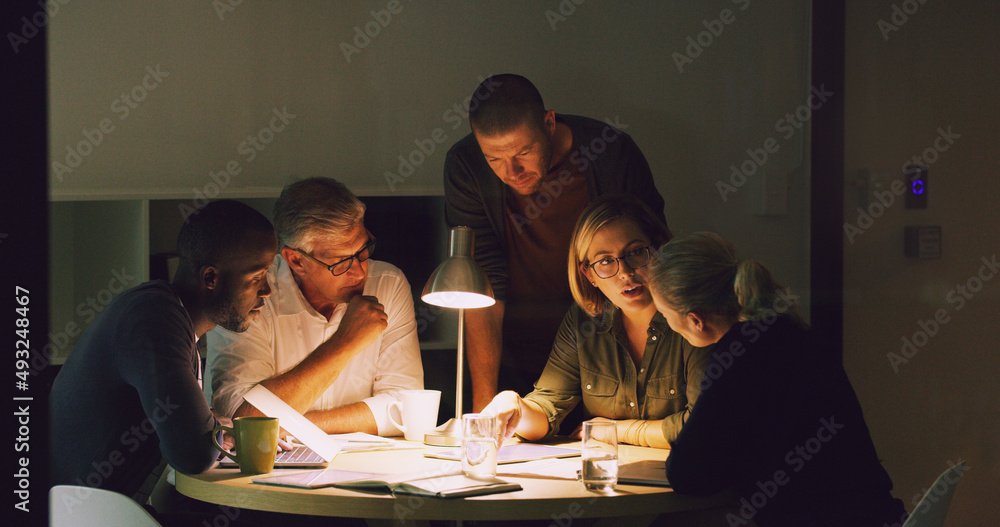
(129, 393)
(520, 181)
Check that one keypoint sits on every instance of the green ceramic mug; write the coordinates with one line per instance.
(256, 443)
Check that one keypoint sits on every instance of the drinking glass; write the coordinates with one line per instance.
(479, 446)
(600, 455)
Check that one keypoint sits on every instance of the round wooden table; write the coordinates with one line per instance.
(541, 498)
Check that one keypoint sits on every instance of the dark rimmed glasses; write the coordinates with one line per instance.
(608, 266)
(342, 266)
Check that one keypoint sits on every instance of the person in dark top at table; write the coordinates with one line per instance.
(520, 180)
(614, 354)
(129, 394)
(777, 420)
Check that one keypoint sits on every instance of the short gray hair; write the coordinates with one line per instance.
(313, 208)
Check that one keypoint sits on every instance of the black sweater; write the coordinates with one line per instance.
(778, 423)
(475, 197)
(129, 392)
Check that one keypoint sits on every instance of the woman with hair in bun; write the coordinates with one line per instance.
(777, 420)
(613, 352)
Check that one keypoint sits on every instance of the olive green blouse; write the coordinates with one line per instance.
(590, 362)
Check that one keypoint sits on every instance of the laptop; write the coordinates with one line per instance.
(301, 456)
(317, 449)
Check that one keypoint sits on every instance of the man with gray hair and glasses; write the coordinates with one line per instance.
(337, 336)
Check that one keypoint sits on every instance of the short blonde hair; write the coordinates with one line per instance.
(599, 213)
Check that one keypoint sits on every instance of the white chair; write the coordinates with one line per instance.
(78, 506)
(933, 507)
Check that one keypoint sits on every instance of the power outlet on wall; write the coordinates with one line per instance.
(868, 183)
(773, 197)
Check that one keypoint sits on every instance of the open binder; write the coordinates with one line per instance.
(449, 484)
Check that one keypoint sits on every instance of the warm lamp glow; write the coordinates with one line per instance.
(458, 299)
(460, 284)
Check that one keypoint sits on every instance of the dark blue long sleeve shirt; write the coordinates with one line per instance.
(128, 393)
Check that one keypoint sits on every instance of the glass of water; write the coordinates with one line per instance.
(479, 446)
(600, 455)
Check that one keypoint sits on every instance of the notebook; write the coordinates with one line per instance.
(649, 472)
(437, 484)
(318, 449)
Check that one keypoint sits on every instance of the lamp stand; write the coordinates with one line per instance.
(450, 433)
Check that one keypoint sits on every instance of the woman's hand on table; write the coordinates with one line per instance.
(506, 406)
(642, 433)
(577, 432)
(632, 432)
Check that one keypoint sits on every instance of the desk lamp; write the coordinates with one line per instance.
(457, 283)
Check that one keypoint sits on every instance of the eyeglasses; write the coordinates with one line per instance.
(607, 267)
(342, 266)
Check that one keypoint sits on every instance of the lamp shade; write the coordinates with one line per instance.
(459, 282)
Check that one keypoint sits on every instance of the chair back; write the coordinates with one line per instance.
(933, 507)
(80, 506)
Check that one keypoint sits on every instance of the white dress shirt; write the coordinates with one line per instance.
(289, 329)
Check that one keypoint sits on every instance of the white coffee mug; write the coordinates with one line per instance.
(418, 410)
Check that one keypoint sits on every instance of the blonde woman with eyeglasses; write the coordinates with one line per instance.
(613, 353)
